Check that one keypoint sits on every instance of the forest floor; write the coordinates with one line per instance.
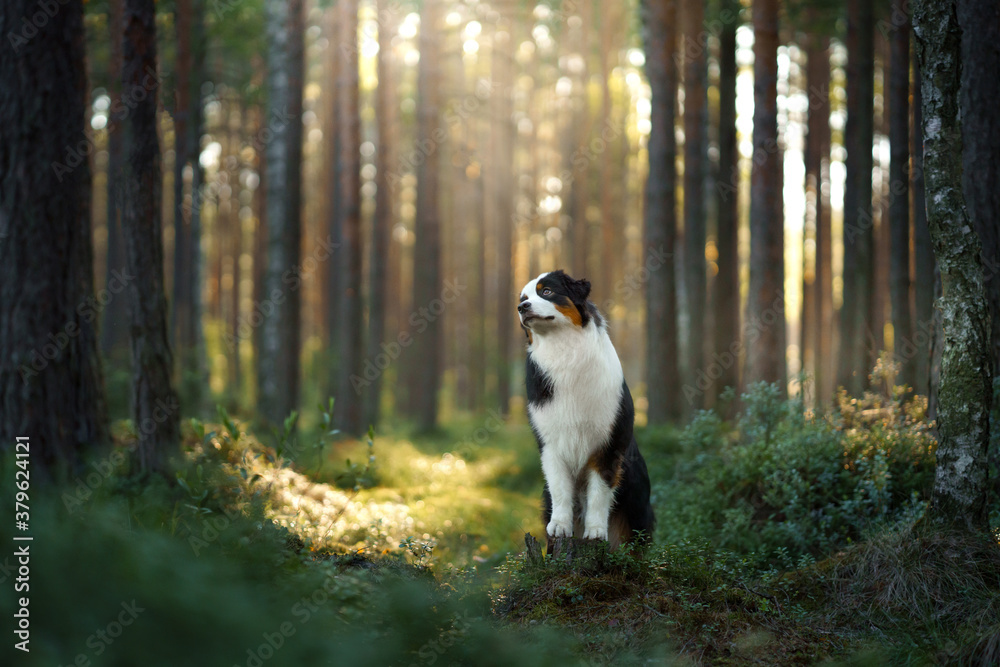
(411, 551)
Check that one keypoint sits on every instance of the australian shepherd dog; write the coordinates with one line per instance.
(581, 412)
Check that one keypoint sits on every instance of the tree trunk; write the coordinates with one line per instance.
(766, 302)
(51, 390)
(425, 373)
(726, 287)
(695, 73)
(816, 158)
(960, 487)
(186, 325)
(979, 21)
(278, 363)
(181, 306)
(155, 410)
(607, 273)
(114, 327)
(502, 136)
(579, 199)
(385, 102)
(660, 220)
(899, 201)
(333, 214)
(923, 253)
(349, 393)
(857, 337)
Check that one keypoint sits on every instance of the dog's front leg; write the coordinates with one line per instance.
(560, 484)
(599, 499)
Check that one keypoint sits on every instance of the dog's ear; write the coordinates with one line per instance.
(580, 289)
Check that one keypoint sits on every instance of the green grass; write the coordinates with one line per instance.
(414, 557)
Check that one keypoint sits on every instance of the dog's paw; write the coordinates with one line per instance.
(559, 529)
(596, 533)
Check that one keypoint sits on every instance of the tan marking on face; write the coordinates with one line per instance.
(571, 312)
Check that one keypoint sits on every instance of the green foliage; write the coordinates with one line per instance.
(788, 484)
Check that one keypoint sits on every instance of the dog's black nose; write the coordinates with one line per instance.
(524, 307)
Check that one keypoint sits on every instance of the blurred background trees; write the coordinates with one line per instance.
(358, 190)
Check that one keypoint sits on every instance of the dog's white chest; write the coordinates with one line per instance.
(586, 377)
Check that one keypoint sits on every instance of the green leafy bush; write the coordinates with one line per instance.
(787, 485)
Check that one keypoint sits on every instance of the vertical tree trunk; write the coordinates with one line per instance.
(923, 253)
(426, 349)
(766, 303)
(726, 287)
(857, 338)
(899, 200)
(960, 487)
(155, 410)
(236, 247)
(979, 21)
(385, 102)
(695, 73)
(278, 363)
(186, 324)
(181, 307)
(349, 394)
(333, 213)
(502, 137)
(51, 389)
(114, 327)
(660, 220)
(578, 201)
(607, 273)
(818, 158)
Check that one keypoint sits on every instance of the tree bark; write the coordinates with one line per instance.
(726, 287)
(333, 214)
(856, 314)
(278, 362)
(979, 21)
(695, 74)
(114, 328)
(351, 363)
(385, 101)
(186, 312)
(155, 410)
(51, 389)
(960, 487)
(923, 253)
(820, 328)
(766, 303)
(502, 137)
(660, 219)
(899, 201)
(426, 349)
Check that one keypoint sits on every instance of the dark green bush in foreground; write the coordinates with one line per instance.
(785, 484)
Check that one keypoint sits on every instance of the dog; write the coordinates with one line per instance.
(581, 412)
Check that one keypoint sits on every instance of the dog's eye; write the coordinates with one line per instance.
(546, 292)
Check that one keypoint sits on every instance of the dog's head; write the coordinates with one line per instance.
(554, 300)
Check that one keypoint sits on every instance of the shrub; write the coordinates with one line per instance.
(788, 485)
